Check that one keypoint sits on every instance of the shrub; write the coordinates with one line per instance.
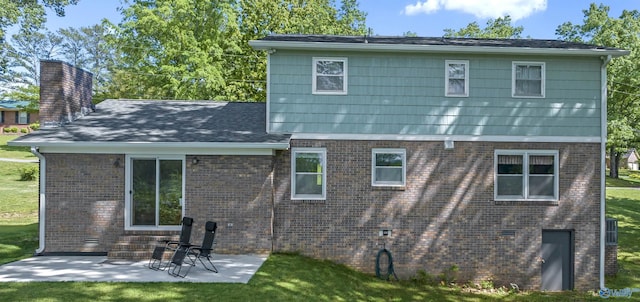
(424, 278)
(449, 276)
(28, 174)
(6, 130)
(35, 126)
(13, 129)
(24, 130)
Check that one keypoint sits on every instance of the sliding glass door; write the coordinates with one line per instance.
(156, 188)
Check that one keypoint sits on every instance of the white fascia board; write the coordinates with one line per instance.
(268, 45)
(457, 138)
(158, 148)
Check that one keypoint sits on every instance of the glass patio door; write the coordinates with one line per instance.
(156, 192)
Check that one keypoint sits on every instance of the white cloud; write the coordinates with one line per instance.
(517, 9)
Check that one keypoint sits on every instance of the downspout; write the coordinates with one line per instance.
(603, 166)
(42, 200)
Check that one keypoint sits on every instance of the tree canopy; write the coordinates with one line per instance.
(198, 49)
(623, 82)
(499, 28)
(30, 15)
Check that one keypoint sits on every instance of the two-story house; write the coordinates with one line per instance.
(484, 155)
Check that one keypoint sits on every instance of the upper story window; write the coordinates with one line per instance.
(329, 76)
(526, 175)
(528, 79)
(388, 167)
(456, 78)
(308, 173)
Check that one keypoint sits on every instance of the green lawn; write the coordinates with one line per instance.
(624, 205)
(18, 205)
(13, 152)
(283, 277)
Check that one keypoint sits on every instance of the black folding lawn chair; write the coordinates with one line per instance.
(184, 259)
(183, 243)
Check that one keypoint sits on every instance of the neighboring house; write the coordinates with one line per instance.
(486, 155)
(630, 160)
(12, 115)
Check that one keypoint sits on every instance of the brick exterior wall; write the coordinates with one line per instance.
(611, 260)
(446, 215)
(236, 192)
(84, 202)
(65, 93)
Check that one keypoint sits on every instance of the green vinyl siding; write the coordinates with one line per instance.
(404, 94)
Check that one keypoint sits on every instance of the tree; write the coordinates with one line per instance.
(29, 15)
(88, 48)
(174, 49)
(26, 51)
(623, 77)
(198, 49)
(259, 18)
(23, 62)
(499, 28)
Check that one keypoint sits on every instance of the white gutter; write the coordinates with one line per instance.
(603, 166)
(338, 46)
(176, 145)
(42, 200)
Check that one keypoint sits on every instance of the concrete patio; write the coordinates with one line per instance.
(232, 269)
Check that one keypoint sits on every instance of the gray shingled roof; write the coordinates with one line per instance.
(129, 121)
(524, 43)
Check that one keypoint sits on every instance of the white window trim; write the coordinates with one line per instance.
(466, 78)
(373, 168)
(525, 175)
(322, 196)
(344, 75)
(127, 188)
(23, 118)
(542, 80)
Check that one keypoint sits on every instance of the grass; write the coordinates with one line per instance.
(283, 277)
(624, 180)
(13, 152)
(624, 205)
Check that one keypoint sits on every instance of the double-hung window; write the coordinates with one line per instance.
(329, 76)
(388, 167)
(526, 175)
(457, 78)
(528, 79)
(308, 173)
(22, 117)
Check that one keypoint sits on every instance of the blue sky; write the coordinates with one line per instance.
(424, 17)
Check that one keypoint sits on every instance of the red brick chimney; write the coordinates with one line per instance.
(65, 93)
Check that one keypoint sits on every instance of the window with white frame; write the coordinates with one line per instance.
(526, 175)
(329, 75)
(23, 117)
(457, 78)
(308, 173)
(528, 79)
(388, 167)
